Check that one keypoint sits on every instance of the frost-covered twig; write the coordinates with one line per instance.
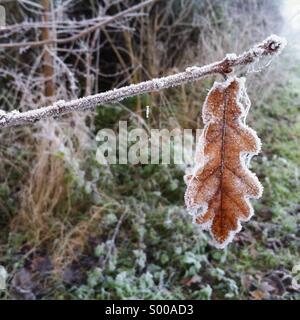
(270, 46)
(84, 32)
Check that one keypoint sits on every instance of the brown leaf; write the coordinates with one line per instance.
(190, 281)
(218, 191)
(259, 294)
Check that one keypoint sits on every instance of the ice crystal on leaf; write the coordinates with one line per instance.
(221, 185)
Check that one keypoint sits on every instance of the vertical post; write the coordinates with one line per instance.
(48, 68)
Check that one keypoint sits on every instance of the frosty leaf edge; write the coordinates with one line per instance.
(219, 189)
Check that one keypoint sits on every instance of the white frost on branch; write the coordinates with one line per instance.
(276, 43)
(231, 56)
(273, 45)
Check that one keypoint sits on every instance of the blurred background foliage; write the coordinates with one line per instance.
(73, 229)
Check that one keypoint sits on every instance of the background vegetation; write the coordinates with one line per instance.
(72, 229)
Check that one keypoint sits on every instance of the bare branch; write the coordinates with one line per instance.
(84, 32)
(271, 46)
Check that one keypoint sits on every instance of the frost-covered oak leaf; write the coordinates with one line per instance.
(221, 185)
